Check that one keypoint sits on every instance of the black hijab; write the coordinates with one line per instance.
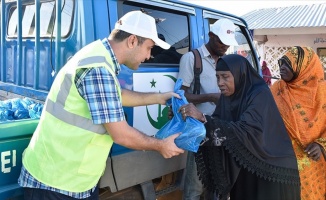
(250, 130)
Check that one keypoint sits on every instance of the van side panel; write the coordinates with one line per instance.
(14, 137)
(29, 63)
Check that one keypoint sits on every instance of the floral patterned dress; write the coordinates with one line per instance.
(302, 104)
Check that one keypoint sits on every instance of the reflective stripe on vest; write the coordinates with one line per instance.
(58, 110)
(100, 59)
(92, 60)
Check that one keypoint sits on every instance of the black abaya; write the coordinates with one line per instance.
(248, 143)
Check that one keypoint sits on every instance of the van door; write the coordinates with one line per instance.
(158, 74)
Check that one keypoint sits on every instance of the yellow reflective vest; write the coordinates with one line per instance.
(67, 151)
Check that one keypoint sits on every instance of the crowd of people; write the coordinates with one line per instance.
(248, 154)
(262, 141)
(265, 143)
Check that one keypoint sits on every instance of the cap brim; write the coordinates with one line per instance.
(161, 43)
(229, 41)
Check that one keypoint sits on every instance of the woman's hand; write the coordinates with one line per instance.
(314, 151)
(190, 110)
(170, 113)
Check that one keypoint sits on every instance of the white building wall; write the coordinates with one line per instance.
(315, 41)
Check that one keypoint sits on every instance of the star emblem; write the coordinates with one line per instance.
(153, 83)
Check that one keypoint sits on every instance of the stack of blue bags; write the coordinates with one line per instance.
(17, 108)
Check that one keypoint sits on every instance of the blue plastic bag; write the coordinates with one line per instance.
(6, 114)
(16, 109)
(193, 131)
(35, 110)
(26, 102)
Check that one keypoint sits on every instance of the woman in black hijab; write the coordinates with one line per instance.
(247, 153)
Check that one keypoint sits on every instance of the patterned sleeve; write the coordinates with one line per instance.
(216, 131)
(102, 96)
(322, 142)
(322, 137)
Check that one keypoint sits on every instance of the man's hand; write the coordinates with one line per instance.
(133, 98)
(314, 151)
(127, 136)
(164, 97)
(169, 148)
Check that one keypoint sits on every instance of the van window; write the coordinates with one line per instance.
(243, 48)
(172, 27)
(47, 19)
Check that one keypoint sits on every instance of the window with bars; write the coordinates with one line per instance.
(47, 19)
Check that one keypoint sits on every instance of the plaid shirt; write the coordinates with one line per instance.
(97, 87)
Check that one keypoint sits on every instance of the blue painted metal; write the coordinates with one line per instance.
(37, 45)
(2, 42)
(87, 20)
(14, 137)
(101, 19)
(18, 67)
(23, 91)
(58, 36)
(36, 71)
(112, 8)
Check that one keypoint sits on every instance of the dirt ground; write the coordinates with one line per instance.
(176, 195)
(165, 182)
(135, 192)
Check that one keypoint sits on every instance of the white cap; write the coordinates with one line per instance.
(225, 30)
(140, 24)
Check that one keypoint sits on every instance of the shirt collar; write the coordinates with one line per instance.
(204, 51)
(107, 45)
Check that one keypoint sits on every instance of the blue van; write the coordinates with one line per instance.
(38, 37)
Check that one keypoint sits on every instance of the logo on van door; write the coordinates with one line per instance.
(149, 119)
(162, 119)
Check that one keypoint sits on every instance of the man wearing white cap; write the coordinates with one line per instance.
(221, 37)
(83, 115)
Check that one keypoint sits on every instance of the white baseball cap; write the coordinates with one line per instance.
(225, 30)
(140, 24)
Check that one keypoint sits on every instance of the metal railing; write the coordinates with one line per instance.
(19, 59)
